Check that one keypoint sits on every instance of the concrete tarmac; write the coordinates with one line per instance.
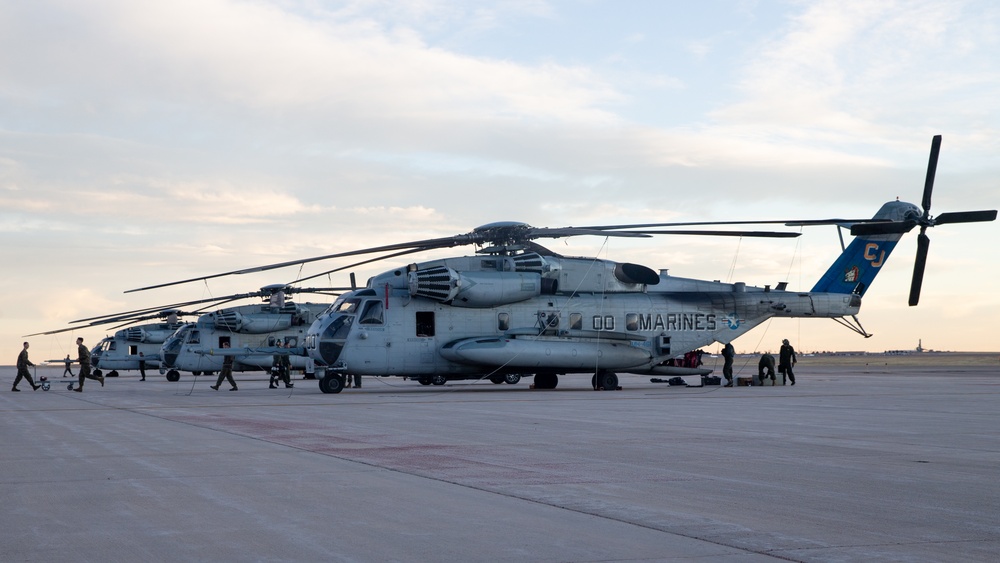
(850, 464)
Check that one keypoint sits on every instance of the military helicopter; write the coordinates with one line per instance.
(517, 308)
(174, 346)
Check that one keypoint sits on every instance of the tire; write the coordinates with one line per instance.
(498, 379)
(438, 379)
(512, 378)
(607, 379)
(424, 380)
(173, 375)
(114, 373)
(546, 380)
(332, 383)
(98, 373)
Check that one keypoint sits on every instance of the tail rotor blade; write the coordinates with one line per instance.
(923, 244)
(931, 171)
(965, 217)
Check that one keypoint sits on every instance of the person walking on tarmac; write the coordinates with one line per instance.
(786, 359)
(83, 356)
(728, 353)
(766, 363)
(23, 363)
(227, 371)
(142, 366)
(69, 364)
(285, 369)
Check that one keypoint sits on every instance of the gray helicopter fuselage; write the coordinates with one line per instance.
(250, 331)
(529, 313)
(121, 351)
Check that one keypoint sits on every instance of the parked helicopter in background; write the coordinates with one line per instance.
(516, 307)
(251, 330)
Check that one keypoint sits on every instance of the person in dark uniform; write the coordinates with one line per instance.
(766, 364)
(23, 363)
(285, 369)
(69, 363)
(275, 368)
(227, 371)
(142, 366)
(786, 359)
(83, 356)
(728, 353)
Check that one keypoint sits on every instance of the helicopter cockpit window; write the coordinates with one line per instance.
(503, 321)
(348, 306)
(371, 314)
(194, 337)
(112, 345)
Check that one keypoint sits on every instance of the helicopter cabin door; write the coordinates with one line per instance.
(372, 340)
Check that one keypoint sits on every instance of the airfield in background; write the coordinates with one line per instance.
(862, 460)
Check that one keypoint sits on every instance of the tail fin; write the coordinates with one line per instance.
(857, 266)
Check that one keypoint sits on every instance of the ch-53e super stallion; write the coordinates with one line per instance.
(249, 332)
(517, 308)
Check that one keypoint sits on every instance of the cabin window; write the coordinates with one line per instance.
(372, 313)
(425, 323)
(503, 321)
(632, 322)
(224, 341)
(575, 321)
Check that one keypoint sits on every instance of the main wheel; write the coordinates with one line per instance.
(438, 379)
(114, 373)
(546, 380)
(512, 378)
(332, 383)
(98, 373)
(606, 379)
(173, 375)
(424, 380)
(498, 379)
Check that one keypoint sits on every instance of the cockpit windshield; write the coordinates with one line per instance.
(347, 306)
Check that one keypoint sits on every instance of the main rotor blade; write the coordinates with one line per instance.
(966, 217)
(923, 244)
(762, 234)
(786, 222)
(362, 263)
(580, 231)
(931, 171)
(444, 242)
(883, 228)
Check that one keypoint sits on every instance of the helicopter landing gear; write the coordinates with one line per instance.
(498, 379)
(331, 383)
(424, 379)
(173, 375)
(511, 378)
(98, 373)
(438, 379)
(606, 380)
(113, 373)
(546, 380)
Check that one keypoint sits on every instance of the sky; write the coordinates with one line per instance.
(145, 142)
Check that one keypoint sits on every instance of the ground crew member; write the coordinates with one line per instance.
(83, 356)
(285, 369)
(227, 371)
(142, 366)
(786, 359)
(728, 353)
(22, 370)
(68, 363)
(766, 363)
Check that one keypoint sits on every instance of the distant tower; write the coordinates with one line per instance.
(920, 345)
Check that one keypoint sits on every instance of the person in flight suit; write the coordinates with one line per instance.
(728, 353)
(83, 356)
(766, 364)
(227, 371)
(22, 370)
(786, 359)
